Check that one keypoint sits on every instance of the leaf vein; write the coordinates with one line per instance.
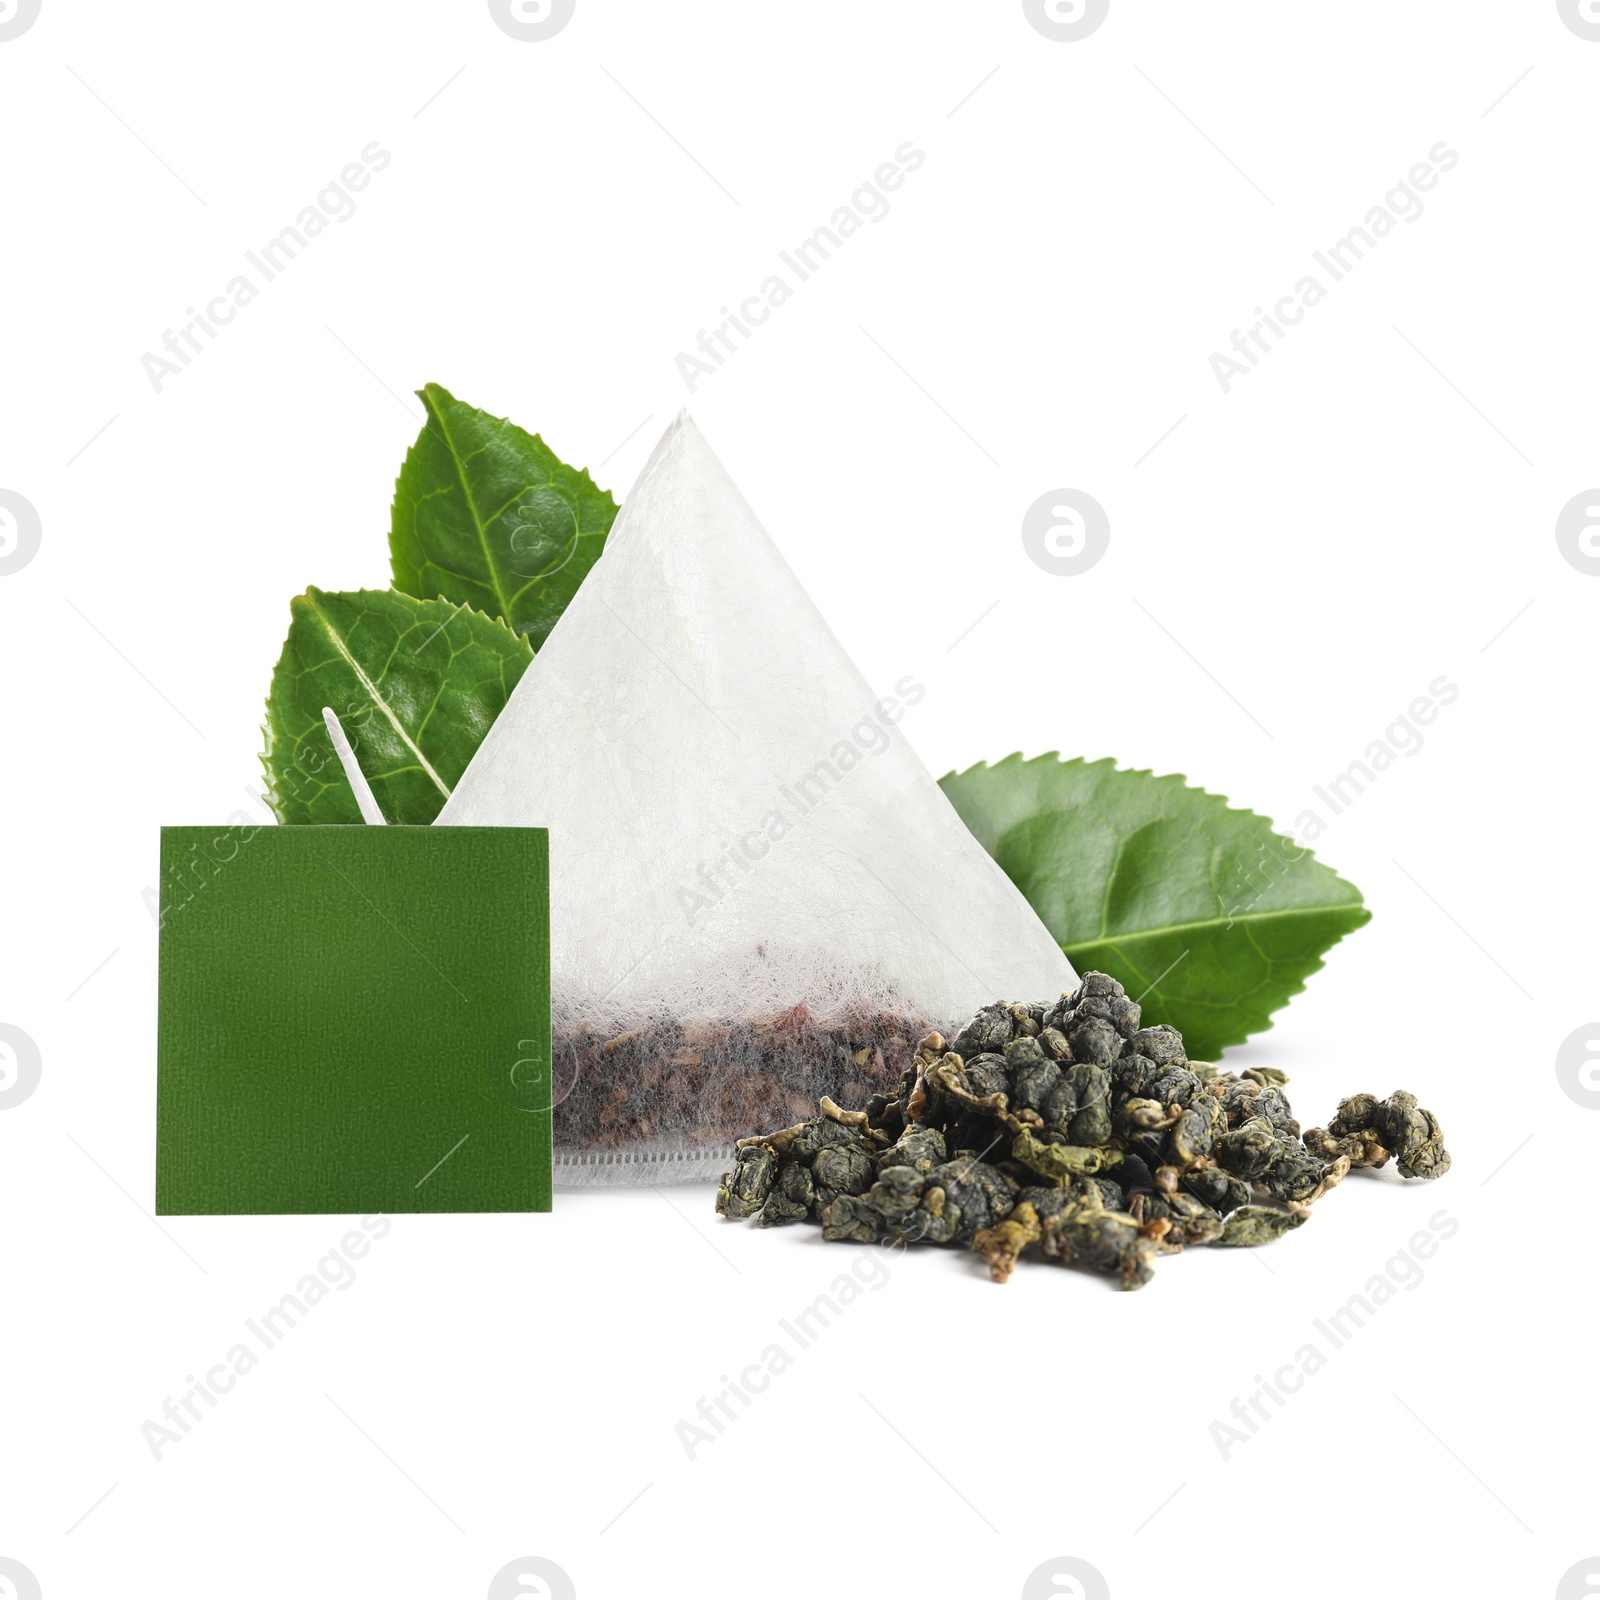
(376, 696)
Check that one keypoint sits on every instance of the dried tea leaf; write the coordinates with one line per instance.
(1257, 1225)
(1056, 1163)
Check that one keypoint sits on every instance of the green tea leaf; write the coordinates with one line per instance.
(416, 684)
(488, 516)
(1204, 914)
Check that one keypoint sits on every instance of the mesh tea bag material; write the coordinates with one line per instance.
(758, 893)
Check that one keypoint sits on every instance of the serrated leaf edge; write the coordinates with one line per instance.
(425, 395)
(1177, 778)
(270, 734)
(1358, 908)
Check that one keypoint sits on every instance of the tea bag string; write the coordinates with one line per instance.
(352, 771)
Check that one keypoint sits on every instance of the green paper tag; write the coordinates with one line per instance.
(353, 1020)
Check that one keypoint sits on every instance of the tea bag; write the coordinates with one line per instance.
(758, 893)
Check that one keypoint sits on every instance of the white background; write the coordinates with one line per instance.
(1289, 567)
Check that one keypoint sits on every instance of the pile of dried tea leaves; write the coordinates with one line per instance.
(1070, 1128)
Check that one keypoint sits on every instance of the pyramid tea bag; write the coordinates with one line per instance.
(758, 895)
